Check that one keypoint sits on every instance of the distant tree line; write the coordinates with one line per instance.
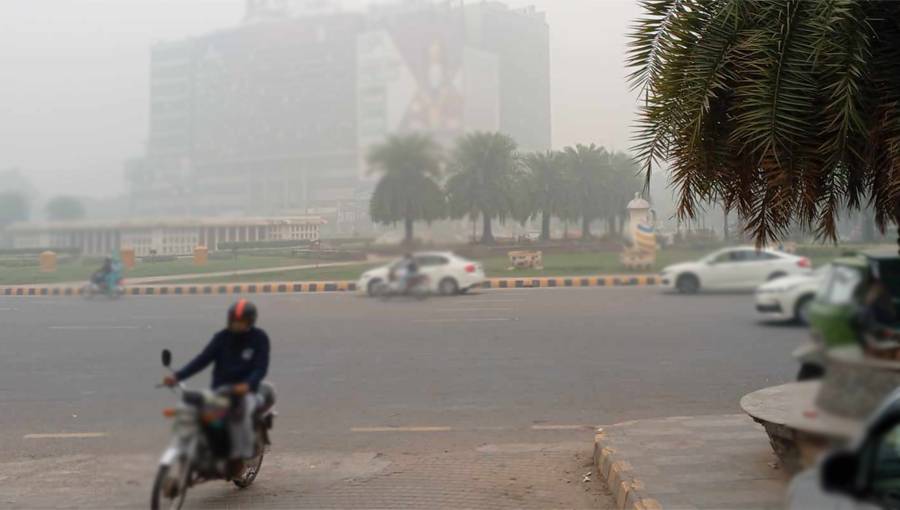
(15, 206)
(486, 177)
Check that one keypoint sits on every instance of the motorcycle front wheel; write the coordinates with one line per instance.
(251, 469)
(164, 494)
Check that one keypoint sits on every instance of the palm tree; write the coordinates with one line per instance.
(485, 179)
(408, 190)
(589, 169)
(782, 110)
(546, 187)
(620, 187)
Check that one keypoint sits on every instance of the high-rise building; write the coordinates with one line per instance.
(277, 115)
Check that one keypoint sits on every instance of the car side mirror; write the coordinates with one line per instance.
(166, 358)
(838, 472)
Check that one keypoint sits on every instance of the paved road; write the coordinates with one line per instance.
(475, 401)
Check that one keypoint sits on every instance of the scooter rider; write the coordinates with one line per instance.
(240, 357)
(409, 272)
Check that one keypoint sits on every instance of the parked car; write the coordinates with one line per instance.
(865, 476)
(739, 268)
(791, 297)
(447, 273)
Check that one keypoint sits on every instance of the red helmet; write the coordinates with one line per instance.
(243, 310)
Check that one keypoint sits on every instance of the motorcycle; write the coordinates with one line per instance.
(418, 286)
(198, 451)
(97, 287)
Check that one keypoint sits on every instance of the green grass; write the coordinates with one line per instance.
(322, 274)
(562, 264)
(80, 270)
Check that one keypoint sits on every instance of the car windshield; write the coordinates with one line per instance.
(841, 285)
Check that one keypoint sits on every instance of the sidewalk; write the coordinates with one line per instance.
(690, 463)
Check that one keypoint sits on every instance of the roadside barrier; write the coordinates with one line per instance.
(336, 286)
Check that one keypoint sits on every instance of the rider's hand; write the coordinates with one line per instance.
(240, 389)
(169, 381)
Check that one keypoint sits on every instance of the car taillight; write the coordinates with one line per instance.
(804, 263)
(169, 412)
(471, 268)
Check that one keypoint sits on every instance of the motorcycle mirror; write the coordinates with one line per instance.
(166, 357)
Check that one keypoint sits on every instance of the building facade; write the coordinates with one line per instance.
(276, 116)
(161, 237)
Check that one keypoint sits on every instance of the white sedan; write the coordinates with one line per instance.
(447, 273)
(789, 298)
(739, 268)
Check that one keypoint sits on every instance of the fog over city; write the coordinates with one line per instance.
(75, 77)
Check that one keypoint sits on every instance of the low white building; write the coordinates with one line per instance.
(177, 236)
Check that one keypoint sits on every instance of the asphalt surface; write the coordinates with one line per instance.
(381, 404)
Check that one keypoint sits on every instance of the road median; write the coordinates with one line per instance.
(206, 289)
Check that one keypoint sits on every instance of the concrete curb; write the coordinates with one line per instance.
(626, 488)
(573, 281)
(192, 289)
(207, 289)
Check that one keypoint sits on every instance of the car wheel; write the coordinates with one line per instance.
(776, 275)
(687, 284)
(448, 287)
(372, 288)
(801, 311)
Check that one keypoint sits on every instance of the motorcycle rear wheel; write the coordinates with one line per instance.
(251, 469)
(159, 499)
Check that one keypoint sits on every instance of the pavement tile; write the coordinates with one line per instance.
(697, 463)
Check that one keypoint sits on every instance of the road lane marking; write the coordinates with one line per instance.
(455, 310)
(400, 429)
(92, 328)
(561, 427)
(67, 435)
(432, 321)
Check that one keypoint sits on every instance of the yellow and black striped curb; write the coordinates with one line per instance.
(626, 488)
(192, 289)
(572, 281)
(336, 286)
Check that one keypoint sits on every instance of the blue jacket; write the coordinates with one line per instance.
(237, 358)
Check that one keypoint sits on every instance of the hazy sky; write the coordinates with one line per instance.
(74, 79)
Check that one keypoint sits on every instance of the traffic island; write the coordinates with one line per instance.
(689, 462)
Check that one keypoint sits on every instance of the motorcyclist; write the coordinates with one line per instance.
(101, 276)
(240, 357)
(409, 271)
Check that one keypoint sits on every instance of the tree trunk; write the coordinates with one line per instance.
(408, 236)
(585, 229)
(545, 226)
(487, 234)
(725, 235)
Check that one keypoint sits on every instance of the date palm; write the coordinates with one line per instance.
(783, 110)
(546, 187)
(589, 172)
(408, 191)
(485, 179)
